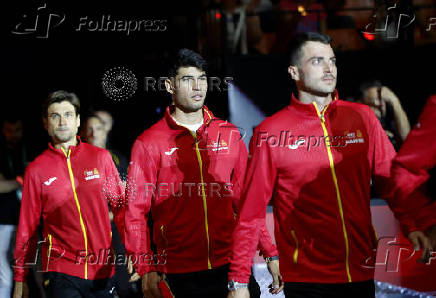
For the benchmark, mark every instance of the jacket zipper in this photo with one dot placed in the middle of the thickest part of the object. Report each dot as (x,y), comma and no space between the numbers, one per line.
(335,181)
(162,230)
(203,194)
(76,199)
(295,256)
(50,243)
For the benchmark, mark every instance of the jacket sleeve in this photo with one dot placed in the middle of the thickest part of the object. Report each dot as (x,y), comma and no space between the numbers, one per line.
(27,234)
(142,176)
(265,245)
(114,192)
(404,209)
(412,163)
(257,191)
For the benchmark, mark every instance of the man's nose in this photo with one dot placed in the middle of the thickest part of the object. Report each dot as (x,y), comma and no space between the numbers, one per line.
(327,67)
(195,84)
(62,121)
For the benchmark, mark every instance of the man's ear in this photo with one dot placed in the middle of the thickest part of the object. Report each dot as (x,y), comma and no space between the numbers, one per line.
(169,85)
(293,71)
(78,120)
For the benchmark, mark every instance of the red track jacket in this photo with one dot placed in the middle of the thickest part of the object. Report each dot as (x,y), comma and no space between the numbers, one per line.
(192,184)
(317,166)
(70,191)
(415,158)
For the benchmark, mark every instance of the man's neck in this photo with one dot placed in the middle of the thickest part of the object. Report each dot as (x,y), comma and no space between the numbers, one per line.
(66,145)
(188,118)
(321,100)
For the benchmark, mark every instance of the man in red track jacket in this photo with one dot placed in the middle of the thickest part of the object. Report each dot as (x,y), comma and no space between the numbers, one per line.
(188,170)
(413,169)
(316,158)
(68,186)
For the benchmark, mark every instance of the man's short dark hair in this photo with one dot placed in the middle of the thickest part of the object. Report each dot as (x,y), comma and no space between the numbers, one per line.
(60,96)
(187,58)
(299,41)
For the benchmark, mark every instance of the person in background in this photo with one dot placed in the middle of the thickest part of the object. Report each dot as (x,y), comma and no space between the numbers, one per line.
(13,160)
(414,167)
(387,107)
(94,132)
(108,123)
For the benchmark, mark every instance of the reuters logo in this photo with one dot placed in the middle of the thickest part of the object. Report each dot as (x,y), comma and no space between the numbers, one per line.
(119,83)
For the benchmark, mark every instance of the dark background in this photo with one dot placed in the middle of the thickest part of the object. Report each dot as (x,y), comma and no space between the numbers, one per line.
(76,61)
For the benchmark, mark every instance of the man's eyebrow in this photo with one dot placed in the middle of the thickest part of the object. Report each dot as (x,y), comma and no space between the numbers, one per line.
(187,76)
(315,57)
(320,57)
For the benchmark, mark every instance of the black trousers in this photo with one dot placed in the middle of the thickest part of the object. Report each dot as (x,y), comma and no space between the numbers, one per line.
(364,289)
(60,285)
(205,284)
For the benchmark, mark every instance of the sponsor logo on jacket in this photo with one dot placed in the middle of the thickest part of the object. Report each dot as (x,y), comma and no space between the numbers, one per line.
(91,174)
(354,137)
(217,146)
(50,181)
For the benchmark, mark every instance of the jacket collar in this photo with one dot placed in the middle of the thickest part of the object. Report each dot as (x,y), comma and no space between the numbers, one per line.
(207,117)
(73,149)
(309,107)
